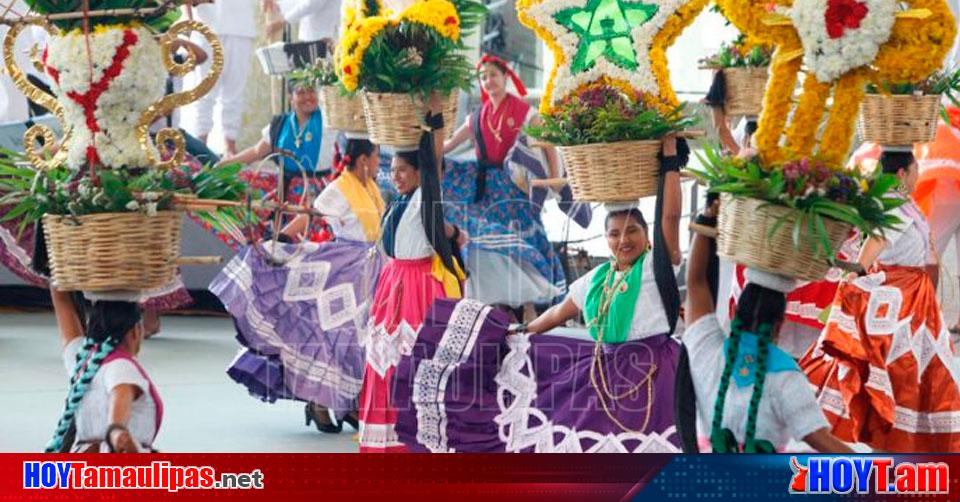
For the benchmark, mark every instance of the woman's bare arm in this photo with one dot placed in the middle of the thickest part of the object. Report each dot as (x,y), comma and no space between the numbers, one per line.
(67,318)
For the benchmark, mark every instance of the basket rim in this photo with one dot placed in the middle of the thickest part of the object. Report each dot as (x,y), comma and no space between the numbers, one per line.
(608,143)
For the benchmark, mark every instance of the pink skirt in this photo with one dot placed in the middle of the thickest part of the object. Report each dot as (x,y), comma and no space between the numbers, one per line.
(405,291)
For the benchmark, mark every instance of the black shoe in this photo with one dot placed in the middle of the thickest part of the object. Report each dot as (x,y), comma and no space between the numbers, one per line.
(351,419)
(322,426)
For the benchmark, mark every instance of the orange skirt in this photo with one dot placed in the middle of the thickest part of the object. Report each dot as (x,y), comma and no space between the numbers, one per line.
(884,367)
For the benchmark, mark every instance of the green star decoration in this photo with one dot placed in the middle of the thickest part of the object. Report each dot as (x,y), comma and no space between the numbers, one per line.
(605,29)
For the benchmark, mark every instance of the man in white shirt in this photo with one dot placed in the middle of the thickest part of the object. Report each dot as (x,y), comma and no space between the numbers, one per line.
(234,22)
(318,19)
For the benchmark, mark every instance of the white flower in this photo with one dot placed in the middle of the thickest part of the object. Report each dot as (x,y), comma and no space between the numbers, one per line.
(829,58)
(132,205)
(140,83)
(151,208)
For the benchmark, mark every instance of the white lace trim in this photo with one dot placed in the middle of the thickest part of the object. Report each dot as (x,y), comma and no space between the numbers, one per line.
(937,422)
(378,436)
(430,381)
(325,374)
(383,348)
(523,426)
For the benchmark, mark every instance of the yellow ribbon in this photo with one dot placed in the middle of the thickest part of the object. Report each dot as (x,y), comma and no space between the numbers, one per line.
(449,280)
(365,202)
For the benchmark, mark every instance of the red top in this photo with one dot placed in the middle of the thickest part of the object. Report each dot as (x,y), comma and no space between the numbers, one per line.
(500,126)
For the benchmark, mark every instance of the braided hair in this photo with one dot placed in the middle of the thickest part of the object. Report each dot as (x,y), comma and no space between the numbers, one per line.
(759,309)
(108,325)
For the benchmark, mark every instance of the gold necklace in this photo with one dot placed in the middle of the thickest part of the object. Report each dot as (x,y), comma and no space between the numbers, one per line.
(596,367)
(495,131)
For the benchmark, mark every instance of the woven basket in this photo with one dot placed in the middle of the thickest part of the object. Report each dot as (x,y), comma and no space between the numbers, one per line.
(899,120)
(611,172)
(113,251)
(743,238)
(745,88)
(395,119)
(343,113)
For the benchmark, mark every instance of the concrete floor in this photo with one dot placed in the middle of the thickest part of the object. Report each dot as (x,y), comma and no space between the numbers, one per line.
(204,411)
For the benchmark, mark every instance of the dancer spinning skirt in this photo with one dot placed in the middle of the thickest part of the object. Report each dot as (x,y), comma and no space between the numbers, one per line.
(750,394)
(298,321)
(884,367)
(472,387)
(516,264)
(423,267)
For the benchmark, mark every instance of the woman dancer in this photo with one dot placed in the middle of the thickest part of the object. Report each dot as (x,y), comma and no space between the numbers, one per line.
(469,387)
(757,399)
(112,405)
(884,366)
(311,351)
(516,265)
(424,265)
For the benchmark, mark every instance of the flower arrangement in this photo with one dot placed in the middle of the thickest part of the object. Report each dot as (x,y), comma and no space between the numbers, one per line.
(34,193)
(158,21)
(417,51)
(604,114)
(812,189)
(942,83)
(841,35)
(321,72)
(636,61)
(740,54)
(841,43)
(103,102)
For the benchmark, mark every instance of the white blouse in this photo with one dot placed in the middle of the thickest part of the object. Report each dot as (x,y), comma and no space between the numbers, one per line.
(338,214)
(93,413)
(908,243)
(788,407)
(649,318)
(411,240)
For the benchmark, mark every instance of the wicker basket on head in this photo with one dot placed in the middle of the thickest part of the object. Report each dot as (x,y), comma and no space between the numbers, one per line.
(745,88)
(340,112)
(395,119)
(113,251)
(611,172)
(899,120)
(744,226)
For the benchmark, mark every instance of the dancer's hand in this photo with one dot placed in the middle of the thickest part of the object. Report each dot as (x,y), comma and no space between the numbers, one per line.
(463,238)
(669,145)
(121,441)
(435,103)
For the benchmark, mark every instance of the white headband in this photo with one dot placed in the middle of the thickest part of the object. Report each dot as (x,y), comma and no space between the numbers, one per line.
(772,281)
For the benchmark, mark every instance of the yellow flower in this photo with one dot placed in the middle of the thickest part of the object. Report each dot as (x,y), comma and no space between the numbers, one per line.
(441,15)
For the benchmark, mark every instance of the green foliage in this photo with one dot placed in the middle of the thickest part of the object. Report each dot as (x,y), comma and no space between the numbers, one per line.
(413,59)
(472,14)
(810,189)
(739,55)
(158,23)
(944,83)
(31,193)
(605,115)
(321,73)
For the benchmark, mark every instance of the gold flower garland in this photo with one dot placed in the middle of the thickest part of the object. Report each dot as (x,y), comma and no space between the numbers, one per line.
(917,45)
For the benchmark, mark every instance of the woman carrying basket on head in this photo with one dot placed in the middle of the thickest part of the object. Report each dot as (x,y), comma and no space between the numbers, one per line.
(884,366)
(424,265)
(750,394)
(299,321)
(112,405)
(516,265)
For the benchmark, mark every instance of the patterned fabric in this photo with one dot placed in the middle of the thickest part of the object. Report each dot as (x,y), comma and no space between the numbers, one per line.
(885,368)
(300,321)
(264,187)
(504,222)
(469,387)
(405,291)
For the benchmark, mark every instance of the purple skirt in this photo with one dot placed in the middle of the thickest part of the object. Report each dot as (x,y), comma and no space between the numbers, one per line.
(299,321)
(468,387)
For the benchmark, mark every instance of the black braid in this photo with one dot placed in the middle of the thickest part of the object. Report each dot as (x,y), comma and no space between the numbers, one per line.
(763,350)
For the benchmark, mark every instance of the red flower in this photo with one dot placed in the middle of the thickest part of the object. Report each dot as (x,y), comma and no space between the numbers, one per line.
(843,14)
(348,70)
(450,20)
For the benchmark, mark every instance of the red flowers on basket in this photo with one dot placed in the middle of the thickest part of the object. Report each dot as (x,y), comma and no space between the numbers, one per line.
(842,15)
